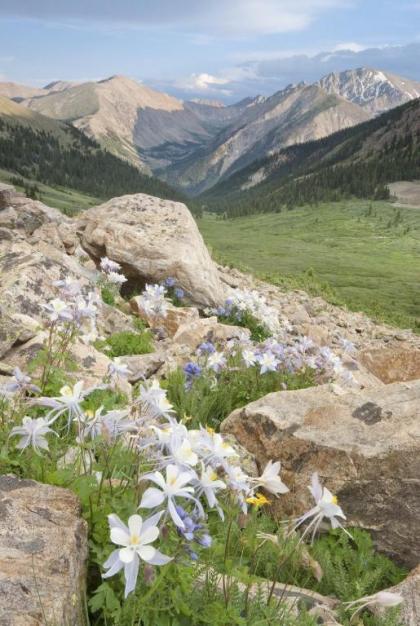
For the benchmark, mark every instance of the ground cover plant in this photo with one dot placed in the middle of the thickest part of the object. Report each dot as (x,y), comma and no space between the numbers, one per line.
(178,532)
(357,253)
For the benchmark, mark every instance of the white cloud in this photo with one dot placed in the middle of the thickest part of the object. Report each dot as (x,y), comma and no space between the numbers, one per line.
(222,17)
(205,83)
(352,46)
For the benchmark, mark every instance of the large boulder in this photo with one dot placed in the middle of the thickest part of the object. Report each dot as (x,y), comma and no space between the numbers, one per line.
(23,214)
(43,554)
(365,444)
(153,239)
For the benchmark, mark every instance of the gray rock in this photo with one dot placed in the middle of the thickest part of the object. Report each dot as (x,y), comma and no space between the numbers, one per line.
(152,239)
(365,444)
(43,553)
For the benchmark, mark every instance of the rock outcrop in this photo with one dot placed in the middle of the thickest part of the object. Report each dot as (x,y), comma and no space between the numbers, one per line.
(43,553)
(365,444)
(153,239)
(409,588)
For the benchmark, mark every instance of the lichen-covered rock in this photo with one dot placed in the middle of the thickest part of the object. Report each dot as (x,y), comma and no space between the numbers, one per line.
(392,365)
(21,213)
(43,553)
(365,444)
(208,329)
(153,239)
(174,318)
(142,366)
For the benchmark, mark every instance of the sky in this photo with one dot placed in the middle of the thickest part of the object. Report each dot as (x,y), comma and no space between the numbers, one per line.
(214,49)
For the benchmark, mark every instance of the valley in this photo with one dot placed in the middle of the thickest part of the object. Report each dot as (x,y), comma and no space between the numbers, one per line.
(368,252)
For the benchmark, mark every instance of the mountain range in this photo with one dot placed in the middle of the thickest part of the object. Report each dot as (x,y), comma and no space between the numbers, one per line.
(195,145)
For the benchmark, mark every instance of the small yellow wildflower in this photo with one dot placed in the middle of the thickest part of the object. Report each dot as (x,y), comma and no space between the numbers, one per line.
(258,500)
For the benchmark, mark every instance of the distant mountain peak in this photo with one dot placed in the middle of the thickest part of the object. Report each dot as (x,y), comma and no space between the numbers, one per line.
(372,89)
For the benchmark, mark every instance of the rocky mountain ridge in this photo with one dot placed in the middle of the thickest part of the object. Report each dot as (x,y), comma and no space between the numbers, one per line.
(195,144)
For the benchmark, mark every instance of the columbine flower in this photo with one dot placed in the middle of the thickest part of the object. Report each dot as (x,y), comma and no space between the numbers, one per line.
(249,357)
(258,500)
(216,361)
(107,265)
(182,452)
(271,480)
(208,484)
(169,282)
(68,287)
(206,348)
(20,382)
(215,449)
(174,486)
(58,310)
(32,433)
(326,507)
(347,346)
(116,279)
(136,540)
(385,599)
(155,398)
(179,293)
(192,370)
(68,402)
(268,362)
(152,300)
(118,368)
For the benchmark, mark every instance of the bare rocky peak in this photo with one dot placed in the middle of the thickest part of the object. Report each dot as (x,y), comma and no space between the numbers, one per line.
(374,90)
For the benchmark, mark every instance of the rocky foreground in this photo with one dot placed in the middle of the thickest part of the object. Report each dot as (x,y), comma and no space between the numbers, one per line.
(362,437)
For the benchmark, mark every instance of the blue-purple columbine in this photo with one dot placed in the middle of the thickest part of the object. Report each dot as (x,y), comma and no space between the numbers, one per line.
(206,348)
(169,282)
(192,370)
(179,293)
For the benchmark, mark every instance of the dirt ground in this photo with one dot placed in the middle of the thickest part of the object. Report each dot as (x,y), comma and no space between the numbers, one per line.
(406,193)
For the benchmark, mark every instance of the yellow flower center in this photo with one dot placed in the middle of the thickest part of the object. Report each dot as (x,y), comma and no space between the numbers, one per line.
(66,391)
(134,540)
(210,430)
(334,500)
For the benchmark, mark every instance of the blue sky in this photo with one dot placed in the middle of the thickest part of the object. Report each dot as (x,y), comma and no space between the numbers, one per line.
(222,49)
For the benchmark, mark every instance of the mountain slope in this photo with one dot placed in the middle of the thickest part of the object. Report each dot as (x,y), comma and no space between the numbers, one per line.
(356,161)
(374,90)
(42,149)
(107,111)
(296,114)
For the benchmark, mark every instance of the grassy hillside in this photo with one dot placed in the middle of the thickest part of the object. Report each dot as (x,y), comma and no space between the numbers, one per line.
(368,252)
(358,161)
(43,150)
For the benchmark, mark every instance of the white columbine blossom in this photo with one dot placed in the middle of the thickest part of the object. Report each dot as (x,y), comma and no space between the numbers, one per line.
(249,357)
(326,508)
(271,480)
(268,362)
(171,487)
(116,279)
(68,402)
(216,361)
(384,599)
(208,484)
(58,310)
(107,265)
(135,540)
(117,367)
(32,433)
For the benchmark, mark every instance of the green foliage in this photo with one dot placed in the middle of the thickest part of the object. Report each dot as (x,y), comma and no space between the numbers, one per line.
(67,157)
(259,332)
(126,343)
(340,166)
(208,403)
(347,257)
(108,296)
(353,569)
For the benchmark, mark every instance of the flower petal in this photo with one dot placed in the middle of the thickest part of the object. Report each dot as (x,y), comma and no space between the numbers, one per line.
(146,552)
(152,497)
(135,523)
(120,537)
(149,535)
(159,559)
(131,571)
(126,555)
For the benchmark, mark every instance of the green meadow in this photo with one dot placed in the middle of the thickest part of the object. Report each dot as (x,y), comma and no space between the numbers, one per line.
(365,255)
